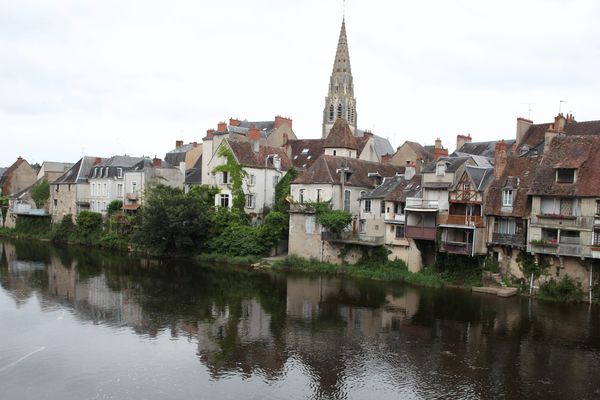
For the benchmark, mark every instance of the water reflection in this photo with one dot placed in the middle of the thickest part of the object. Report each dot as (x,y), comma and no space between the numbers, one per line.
(317,337)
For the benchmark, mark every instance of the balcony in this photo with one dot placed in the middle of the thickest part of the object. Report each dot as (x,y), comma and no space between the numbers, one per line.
(350,238)
(469,220)
(560,249)
(393,218)
(457,247)
(132,196)
(507,239)
(418,204)
(420,232)
(561,221)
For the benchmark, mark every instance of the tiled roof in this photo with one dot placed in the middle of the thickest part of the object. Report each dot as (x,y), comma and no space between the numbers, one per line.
(518,175)
(247,157)
(534,136)
(565,151)
(341,136)
(324,170)
(79,172)
(305,152)
(424,153)
(193,176)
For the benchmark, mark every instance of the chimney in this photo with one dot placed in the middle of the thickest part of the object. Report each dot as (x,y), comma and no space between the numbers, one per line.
(234,122)
(222,127)
(97,161)
(550,134)
(279,120)
(500,158)
(570,118)
(19,161)
(439,151)
(462,139)
(386,159)
(210,133)
(156,162)
(178,144)
(409,170)
(195,144)
(254,137)
(522,127)
(368,133)
(559,123)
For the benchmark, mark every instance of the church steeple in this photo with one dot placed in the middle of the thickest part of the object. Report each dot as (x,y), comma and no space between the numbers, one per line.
(340,101)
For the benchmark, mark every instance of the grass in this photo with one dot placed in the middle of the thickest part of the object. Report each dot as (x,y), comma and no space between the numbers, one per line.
(224,258)
(392,271)
(567,290)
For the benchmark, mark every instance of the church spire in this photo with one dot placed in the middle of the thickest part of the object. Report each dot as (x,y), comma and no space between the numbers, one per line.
(340,101)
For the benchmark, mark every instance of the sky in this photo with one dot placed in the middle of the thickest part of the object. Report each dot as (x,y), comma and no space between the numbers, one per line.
(131,77)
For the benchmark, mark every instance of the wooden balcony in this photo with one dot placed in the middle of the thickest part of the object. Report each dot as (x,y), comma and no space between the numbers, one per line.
(420,232)
(457,247)
(469,220)
(506,239)
(350,238)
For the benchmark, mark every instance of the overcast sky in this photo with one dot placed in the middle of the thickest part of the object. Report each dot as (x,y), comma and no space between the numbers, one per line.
(131,77)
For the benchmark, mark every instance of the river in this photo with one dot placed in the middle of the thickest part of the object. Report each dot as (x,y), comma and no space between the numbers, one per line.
(84,324)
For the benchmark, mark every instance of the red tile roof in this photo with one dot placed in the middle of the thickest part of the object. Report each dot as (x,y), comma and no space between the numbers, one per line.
(243,152)
(341,136)
(304,152)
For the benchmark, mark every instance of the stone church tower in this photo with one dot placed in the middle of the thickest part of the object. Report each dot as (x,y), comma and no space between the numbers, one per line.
(340,101)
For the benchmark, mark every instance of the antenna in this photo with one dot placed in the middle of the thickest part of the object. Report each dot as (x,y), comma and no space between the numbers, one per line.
(560,103)
(529,112)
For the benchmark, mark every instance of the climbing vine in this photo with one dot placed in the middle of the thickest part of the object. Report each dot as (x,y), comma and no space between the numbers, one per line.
(237,174)
(282,191)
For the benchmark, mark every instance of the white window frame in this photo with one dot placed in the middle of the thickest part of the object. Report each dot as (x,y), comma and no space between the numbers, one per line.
(347,199)
(224,198)
(119,189)
(507,197)
(119,172)
(367,207)
(275,180)
(251,180)
(250,200)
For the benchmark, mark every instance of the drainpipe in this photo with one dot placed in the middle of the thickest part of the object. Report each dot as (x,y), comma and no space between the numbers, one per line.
(591,277)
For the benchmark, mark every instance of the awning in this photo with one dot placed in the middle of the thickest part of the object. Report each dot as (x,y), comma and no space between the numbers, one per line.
(131,206)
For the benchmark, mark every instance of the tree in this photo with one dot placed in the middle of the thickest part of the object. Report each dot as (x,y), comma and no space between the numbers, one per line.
(40,193)
(532,266)
(3,208)
(282,191)
(172,221)
(114,206)
(89,224)
(334,220)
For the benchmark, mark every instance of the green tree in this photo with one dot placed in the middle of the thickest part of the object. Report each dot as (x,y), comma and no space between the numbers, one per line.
(40,193)
(334,220)
(532,266)
(3,207)
(89,224)
(282,191)
(114,206)
(172,221)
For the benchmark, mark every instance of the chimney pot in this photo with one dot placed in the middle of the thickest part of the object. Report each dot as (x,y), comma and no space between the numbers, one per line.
(254,134)
(234,122)
(156,162)
(279,120)
(178,144)
(210,133)
(222,127)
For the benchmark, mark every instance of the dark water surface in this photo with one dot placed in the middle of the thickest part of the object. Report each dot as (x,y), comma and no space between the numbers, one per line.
(82,324)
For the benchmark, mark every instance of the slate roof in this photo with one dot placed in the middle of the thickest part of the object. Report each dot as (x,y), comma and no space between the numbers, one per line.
(175,156)
(396,188)
(55,166)
(382,145)
(480,176)
(115,162)
(243,152)
(305,152)
(580,152)
(324,171)
(452,164)
(193,176)
(2,170)
(341,136)
(484,149)
(79,172)
(518,175)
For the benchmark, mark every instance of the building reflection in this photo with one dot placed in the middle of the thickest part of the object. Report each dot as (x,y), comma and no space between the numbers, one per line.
(257,324)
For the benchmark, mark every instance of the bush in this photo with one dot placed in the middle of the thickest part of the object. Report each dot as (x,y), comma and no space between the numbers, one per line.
(334,220)
(40,193)
(114,241)
(65,229)
(89,223)
(566,290)
(114,206)
(32,225)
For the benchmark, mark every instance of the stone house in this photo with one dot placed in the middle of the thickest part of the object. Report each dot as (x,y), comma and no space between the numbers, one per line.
(52,170)
(19,176)
(263,165)
(70,192)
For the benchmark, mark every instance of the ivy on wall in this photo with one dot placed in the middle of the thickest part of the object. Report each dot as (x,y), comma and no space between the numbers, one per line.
(237,174)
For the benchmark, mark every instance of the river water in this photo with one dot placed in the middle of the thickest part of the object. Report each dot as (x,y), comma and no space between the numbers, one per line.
(84,324)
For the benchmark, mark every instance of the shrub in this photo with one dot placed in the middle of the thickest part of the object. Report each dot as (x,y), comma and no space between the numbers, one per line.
(65,229)
(89,223)
(40,193)
(334,220)
(566,290)
(114,206)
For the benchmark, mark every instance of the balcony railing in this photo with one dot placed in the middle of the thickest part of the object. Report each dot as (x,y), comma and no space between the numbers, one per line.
(394,218)
(457,247)
(561,249)
(418,203)
(470,220)
(561,221)
(350,238)
(508,239)
(419,232)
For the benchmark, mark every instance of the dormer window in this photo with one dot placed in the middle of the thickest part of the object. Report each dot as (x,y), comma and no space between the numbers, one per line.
(119,172)
(507,197)
(566,175)
(440,169)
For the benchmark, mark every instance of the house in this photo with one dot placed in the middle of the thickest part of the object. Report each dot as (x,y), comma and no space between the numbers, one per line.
(19,176)
(414,153)
(263,167)
(382,214)
(565,206)
(507,210)
(70,192)
(125,178)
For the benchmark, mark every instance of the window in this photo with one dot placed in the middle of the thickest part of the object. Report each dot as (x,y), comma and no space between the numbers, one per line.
(334,152)
(506,226)
(440,169)
(104,190)
(225,177)
(347,200)
(318,195)
(133,187)
(55,202)
(339,111)
(95,172)
(275,180)
(399,231)
(596,237)
(331,112)
(249,201)
(597,207)
(119,189)
(103,206)
(362,225)
(119,172)
(507,197)
(301,196)
(382,207)
(565,175)
(368,205)
(309,224)
(251,180)
(566,207)
(569,237)
(550,235)
(224,200)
